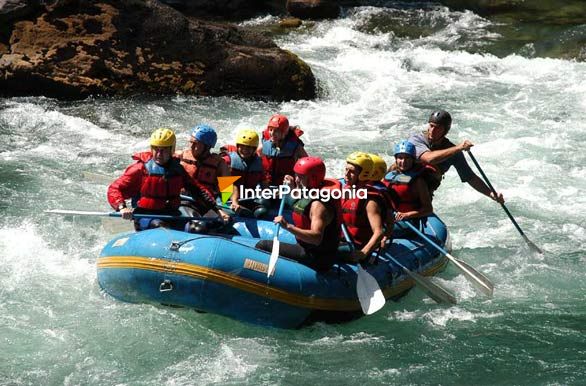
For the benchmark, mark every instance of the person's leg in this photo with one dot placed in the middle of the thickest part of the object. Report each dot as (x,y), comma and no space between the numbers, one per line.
(291,251)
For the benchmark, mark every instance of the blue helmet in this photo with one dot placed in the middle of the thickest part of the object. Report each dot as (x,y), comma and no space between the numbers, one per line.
(205,134)
(405,147)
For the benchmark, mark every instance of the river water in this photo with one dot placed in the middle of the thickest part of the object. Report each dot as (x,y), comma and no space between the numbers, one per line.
(526,116)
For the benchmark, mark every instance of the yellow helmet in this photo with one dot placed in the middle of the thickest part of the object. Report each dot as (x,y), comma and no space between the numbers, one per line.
(379,169)
(247,137)
(364,162)
(163,138)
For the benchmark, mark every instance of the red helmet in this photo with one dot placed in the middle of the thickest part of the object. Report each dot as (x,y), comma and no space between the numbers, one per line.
(312,167)
(279,122)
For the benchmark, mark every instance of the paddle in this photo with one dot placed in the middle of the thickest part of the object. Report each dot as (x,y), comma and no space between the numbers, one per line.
(480,282)
(529,242)
(370,295)
(276,243)
(434,291)
(118,214)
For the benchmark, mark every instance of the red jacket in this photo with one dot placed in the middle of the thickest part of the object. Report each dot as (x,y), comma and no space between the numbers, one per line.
(155,187)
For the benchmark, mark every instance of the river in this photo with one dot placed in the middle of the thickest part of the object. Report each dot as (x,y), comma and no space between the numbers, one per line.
(525,115)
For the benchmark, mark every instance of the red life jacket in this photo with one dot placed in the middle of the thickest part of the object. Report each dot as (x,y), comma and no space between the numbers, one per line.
(161,185)
(382,196)
(204,171)
(355,217)
(278,162)
(331,237)
(402,188)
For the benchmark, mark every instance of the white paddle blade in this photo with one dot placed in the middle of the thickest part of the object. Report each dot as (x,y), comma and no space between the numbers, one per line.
(274,256)
(478,280)
(369,293)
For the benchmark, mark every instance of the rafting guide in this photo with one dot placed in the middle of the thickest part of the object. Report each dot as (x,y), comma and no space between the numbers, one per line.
(303,193)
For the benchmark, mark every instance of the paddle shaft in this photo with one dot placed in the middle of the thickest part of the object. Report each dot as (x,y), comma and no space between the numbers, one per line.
(280,213)
(485,178)
(435,291)
(370,295)
(118,214)
(276,244)
(480,281)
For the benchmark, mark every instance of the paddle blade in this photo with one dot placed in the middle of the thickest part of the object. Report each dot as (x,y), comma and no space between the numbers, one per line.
(434,291)
(532,245)
(369,293)
(478,280)
(274,256)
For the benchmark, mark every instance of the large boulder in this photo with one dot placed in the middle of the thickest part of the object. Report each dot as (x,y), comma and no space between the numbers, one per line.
(313,9)
(226,9)
(76,48)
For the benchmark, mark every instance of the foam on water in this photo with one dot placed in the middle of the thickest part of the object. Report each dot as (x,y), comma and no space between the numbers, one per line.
(524,115)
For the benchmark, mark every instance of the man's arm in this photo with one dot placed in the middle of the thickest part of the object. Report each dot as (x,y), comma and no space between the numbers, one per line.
(374,214)
(479,185)
(435,157)
(320,218)
(126,186)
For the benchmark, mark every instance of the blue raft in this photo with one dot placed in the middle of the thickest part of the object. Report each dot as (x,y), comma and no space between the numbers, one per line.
(225,274)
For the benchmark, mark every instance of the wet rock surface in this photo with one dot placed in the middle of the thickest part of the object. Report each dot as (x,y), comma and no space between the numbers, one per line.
(72,49)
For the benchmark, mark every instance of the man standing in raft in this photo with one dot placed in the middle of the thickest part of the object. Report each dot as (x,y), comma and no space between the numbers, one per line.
(316,223)
(432,147)
(154,183)
(281,148)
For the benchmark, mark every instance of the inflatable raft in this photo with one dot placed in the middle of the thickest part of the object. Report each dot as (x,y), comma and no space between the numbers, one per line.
(224,274)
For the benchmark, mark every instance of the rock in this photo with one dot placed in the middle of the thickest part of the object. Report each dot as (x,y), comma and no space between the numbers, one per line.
(226,9)
(313,9)
(290,22)
(78,48)
(17,9)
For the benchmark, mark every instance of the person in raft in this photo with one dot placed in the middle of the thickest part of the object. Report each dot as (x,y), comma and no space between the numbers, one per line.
(379,171)
(203,166)
(363,217)
(244,162)
(432,147)
(199,162)
(316,223)
(154,183)
(280,149)
(405,181)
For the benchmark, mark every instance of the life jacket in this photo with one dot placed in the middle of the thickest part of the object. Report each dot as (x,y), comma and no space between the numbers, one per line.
(161,186)
(401,187)
(432,177)
(204,171)
(382,195)
(278,162)
(331,237)
(251,170)
(355,218)
(225,151)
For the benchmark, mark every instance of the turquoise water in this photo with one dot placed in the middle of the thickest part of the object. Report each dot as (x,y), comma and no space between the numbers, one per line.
(526,117)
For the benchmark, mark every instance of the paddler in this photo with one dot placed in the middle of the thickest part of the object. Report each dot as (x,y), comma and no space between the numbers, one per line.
(280,149)
(432,147)
(154,183)
(316,221)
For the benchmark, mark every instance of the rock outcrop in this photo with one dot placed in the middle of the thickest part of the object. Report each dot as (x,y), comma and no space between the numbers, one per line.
(313,9)
(76,48)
